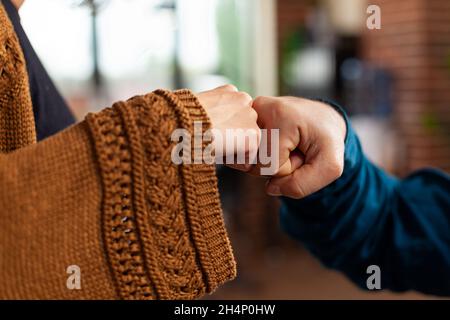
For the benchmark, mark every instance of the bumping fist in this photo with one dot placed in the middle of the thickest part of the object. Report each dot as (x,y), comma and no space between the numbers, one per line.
(311,144)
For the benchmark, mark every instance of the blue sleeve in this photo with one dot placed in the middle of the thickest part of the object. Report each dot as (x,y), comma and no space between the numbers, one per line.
(367,217)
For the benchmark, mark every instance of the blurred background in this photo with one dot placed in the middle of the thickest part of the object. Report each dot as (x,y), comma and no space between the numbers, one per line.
(394,83)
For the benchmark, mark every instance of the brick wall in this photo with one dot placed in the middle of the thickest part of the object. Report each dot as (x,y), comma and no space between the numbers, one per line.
(414,44)
(290,16)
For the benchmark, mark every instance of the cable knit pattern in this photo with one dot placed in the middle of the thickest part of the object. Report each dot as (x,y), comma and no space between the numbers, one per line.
(200,190)
(105,196)
(172,248)
(162,222)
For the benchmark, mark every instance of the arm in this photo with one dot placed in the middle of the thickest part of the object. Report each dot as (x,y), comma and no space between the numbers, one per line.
(104,195)
(367,217)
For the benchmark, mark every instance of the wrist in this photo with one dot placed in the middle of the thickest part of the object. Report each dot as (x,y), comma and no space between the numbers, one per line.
(343,120)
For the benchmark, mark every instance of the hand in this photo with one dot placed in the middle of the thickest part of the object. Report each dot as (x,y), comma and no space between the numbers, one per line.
(228,110)
(17,3)
(311,144)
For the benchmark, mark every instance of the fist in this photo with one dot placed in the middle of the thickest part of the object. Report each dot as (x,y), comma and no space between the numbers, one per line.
(235,131)
(310,147)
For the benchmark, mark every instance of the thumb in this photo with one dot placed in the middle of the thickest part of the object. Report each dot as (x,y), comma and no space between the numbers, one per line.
(309,177)
(295,160)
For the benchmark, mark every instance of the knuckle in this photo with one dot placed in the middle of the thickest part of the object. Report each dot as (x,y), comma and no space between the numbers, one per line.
(245,97)
(229,87)
(262,100)
(259,103)
(259,100)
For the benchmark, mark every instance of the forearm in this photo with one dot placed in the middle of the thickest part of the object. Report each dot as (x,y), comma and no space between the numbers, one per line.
(368,217)
(104,195)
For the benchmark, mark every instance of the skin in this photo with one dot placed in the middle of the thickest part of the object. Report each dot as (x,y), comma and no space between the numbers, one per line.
(311,148)
(18,3)
(228,108)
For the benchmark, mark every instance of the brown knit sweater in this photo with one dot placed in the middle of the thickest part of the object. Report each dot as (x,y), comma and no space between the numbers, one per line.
(104,195)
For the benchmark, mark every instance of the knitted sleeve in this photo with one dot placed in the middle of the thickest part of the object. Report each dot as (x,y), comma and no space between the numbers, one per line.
(100,211)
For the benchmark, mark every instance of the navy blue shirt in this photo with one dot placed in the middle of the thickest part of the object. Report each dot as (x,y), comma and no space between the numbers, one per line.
(51,113)
(368,217)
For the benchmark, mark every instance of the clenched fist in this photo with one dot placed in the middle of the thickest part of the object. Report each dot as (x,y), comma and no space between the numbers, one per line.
(311,144)
(234,124)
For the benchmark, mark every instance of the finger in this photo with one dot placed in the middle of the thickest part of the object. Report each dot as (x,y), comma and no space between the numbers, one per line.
(278,139)
(245,156)
(288,186)
(309,177)
(262,105)
(296,159)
